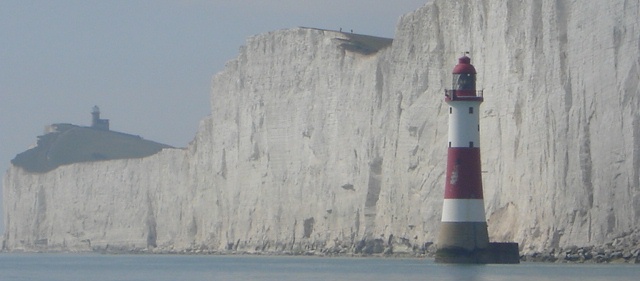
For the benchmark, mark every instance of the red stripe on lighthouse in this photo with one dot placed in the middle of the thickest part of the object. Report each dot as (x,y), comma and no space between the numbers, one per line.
(464,178)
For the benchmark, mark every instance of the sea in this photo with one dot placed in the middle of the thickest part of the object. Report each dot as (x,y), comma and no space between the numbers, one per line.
(102,267)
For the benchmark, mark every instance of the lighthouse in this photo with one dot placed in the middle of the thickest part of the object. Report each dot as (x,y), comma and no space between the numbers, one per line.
(463,235)
(96,122)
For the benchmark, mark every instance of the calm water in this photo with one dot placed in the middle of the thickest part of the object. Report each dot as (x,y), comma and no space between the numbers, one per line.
(72,267)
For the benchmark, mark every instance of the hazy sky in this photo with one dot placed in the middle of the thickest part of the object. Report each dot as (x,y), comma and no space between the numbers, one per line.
(147,64)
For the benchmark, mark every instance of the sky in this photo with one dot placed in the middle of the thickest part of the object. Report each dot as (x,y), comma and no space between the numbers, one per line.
(147,64)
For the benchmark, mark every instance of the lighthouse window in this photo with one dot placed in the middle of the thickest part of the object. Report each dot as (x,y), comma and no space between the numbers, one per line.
(450,110)
(449,144)
(470,110)
(470,144)
(464,81)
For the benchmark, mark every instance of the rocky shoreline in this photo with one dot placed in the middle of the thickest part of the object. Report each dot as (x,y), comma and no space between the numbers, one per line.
(623,249)
(574,255)
(592,254)
(585,255)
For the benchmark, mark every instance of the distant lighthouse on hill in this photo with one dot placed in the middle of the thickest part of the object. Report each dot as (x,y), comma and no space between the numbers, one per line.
(463,236)
(96,122)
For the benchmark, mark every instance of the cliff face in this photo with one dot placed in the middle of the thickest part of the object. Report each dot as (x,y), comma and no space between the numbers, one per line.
(319,139)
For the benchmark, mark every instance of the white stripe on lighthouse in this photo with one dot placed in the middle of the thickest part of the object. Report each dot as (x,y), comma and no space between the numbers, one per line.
(463,210)
(463,126)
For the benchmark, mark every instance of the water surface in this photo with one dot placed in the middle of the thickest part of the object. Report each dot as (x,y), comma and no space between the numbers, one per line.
(76,267)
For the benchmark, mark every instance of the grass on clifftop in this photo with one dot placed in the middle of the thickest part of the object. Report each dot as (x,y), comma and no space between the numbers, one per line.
(73,144)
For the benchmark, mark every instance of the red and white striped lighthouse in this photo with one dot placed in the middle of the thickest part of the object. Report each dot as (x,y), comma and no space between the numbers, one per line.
(463,236)
(464,227)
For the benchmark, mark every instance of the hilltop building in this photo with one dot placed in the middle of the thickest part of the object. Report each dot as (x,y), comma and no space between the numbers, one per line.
(65,143)
(96,122)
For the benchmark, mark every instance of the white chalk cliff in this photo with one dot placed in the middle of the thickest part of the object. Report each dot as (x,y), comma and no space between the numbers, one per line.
(312,144)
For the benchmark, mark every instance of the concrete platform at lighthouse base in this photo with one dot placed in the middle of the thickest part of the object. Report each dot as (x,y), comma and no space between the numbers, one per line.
(496,253)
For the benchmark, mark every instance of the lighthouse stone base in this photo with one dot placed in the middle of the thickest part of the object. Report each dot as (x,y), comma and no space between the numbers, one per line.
(495,253)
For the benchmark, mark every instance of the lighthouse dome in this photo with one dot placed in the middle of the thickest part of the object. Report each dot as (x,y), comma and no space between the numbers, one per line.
(464,66)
